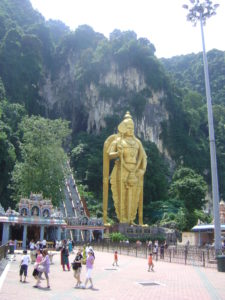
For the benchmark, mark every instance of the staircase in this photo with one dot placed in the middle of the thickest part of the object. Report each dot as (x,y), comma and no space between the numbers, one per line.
(73,206)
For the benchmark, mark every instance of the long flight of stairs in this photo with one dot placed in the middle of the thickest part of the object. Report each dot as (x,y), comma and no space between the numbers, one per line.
(72,206)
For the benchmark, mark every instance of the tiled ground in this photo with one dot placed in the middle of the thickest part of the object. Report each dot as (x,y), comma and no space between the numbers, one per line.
(169,281)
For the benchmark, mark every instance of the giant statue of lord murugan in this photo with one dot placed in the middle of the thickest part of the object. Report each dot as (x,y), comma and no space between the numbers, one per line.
(127,175)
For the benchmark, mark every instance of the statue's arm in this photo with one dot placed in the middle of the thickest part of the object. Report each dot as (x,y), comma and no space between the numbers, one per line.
(113,151)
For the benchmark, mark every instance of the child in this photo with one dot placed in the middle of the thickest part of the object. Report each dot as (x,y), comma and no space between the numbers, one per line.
(24,265)
(115,258)
(150,263)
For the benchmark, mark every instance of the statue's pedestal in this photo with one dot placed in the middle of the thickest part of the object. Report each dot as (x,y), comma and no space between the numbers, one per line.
(132,231)
(146,232)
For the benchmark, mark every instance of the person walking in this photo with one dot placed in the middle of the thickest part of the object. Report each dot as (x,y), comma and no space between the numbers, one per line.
(115,262)
(65,257)
(77,267)
(37,262)
(43,267)
(70,246)
(150,263)
(24,265)
(89,268)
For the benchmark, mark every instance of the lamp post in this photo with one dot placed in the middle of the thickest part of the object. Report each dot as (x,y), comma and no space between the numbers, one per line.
(201,11)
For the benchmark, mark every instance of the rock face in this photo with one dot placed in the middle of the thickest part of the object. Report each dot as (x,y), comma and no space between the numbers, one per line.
(63,98)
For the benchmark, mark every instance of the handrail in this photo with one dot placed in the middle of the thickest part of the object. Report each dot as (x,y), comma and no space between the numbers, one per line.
(3,251)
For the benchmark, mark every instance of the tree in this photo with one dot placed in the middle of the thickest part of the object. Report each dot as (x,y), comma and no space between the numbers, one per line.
(43,158)
(10,115)
(189,189)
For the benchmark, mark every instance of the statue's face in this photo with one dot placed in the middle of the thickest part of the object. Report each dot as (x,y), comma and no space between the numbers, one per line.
(130,128)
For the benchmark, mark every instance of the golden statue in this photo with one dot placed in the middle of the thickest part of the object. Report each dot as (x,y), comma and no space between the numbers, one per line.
(127,174)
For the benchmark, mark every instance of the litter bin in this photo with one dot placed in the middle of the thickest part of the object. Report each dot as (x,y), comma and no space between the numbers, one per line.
(221,263)
(11,249)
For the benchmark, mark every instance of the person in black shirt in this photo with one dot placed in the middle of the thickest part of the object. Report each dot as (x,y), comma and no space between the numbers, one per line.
(77,266)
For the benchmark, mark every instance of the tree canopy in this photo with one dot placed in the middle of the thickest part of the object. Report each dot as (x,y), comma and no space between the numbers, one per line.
(41,168)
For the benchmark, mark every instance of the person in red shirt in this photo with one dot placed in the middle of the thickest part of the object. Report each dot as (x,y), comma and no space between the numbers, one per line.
(115,262)
(150,263)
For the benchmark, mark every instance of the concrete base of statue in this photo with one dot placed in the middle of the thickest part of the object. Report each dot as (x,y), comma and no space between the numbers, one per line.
(145,232)
(132,231)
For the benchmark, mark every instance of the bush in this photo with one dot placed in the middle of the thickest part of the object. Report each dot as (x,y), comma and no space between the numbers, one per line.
(117,237)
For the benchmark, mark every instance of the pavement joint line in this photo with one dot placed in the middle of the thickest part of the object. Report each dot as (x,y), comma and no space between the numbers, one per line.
(4,274)
(209,287)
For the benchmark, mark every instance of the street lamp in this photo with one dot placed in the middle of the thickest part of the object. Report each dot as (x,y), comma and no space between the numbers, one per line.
(200,11)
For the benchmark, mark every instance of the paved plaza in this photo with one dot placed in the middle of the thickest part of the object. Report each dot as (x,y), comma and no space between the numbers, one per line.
(128,281)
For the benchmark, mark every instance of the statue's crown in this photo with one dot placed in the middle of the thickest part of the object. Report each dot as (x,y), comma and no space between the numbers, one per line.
(127,116)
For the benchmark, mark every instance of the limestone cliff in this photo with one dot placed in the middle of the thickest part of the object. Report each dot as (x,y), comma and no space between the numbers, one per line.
(62,97)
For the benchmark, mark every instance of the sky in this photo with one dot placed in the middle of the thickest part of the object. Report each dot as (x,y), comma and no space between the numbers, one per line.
(162,22)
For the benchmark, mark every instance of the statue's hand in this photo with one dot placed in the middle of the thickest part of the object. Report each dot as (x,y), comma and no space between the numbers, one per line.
(140,172)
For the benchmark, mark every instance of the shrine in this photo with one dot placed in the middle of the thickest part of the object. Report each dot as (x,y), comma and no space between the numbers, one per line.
(36,219)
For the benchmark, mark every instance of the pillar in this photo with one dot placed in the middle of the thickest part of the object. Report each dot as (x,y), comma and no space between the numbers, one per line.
(5,234)
(90,235)
(199,238)
(102,233)
(65,234)
(78,235)
(59,231)
(42,231)
(24,245)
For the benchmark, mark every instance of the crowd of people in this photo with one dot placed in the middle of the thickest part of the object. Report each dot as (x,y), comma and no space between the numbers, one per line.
(83,256)
(42,262)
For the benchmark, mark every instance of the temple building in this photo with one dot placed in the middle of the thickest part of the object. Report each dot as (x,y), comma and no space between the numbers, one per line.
(36,219)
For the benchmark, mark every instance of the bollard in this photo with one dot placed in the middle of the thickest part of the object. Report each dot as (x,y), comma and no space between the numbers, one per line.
(203,258)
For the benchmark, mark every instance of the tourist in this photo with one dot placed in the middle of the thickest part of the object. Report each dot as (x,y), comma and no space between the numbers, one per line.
(11,247)
(24,265)
(162,247)
(77,267)
(39,256)
(15,245)
(70,246)
(60,245)
(37,262)
(57,245)
(89,268)
(92,251)
(32,245)
(65,257)
(44,244)
(150,245)
(43,267)
(115,262)
(150,263)
(155,249)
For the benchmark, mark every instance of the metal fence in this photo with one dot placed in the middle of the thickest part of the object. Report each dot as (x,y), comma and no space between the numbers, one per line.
(3,251)
(201,257)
